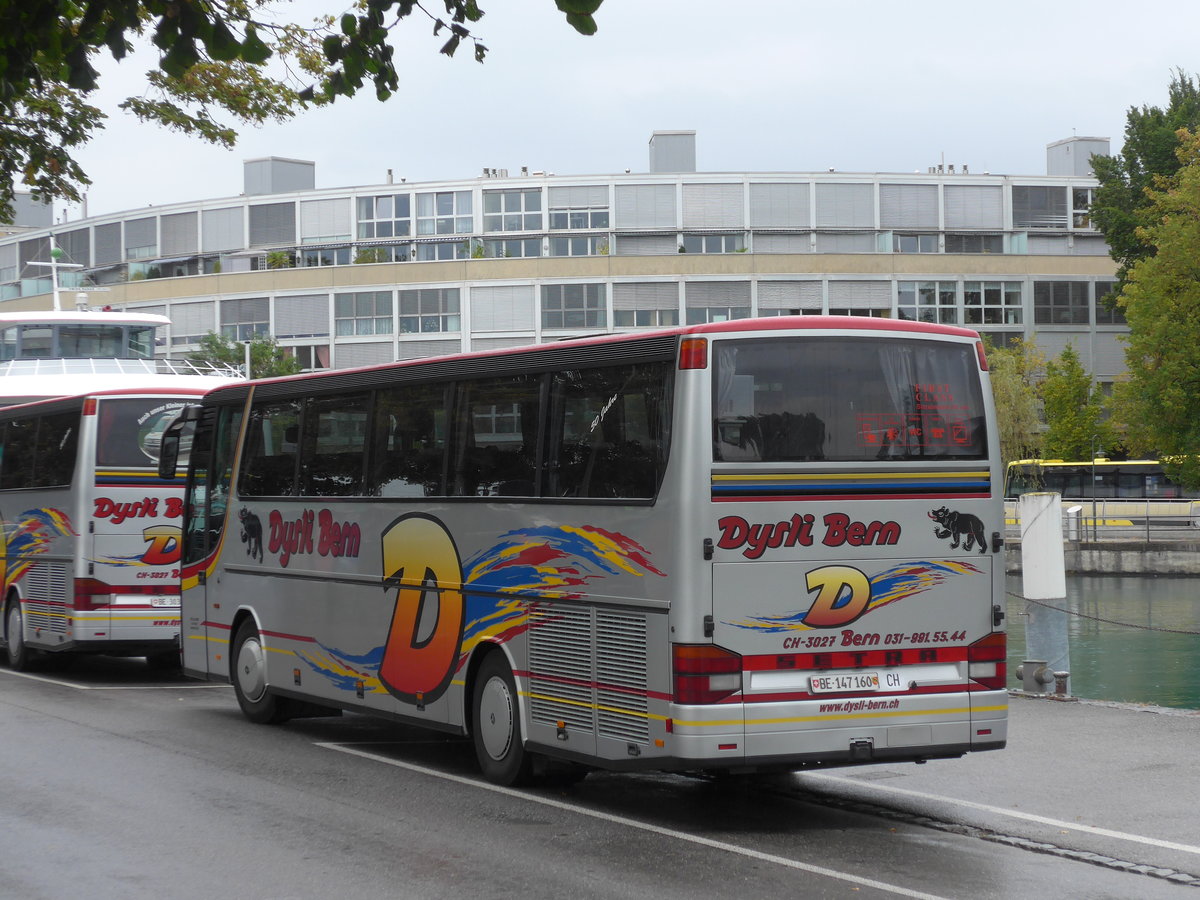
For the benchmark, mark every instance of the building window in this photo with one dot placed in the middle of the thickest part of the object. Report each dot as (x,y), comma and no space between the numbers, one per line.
(311,257)
(992,302)
(914,243)
(573,306)
(579,245)
(645,318)
(383,253)
(699,315)
(369,312)
(974,243)
(1060,303)
(512,249)
(429,310)
(242,320)
(578,217)
(1039,207)
(443,250)
(927,301)
(384,216)
(865,313)
(714,243)
(1107,313)
(312,359)
(513,210)
(446,212)
(1081,206)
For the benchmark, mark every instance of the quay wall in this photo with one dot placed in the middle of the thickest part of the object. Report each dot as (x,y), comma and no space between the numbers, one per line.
(1115,557)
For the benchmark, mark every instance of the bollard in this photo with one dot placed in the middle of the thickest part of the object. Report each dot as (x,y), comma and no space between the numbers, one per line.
(1034,676)
(1062,681)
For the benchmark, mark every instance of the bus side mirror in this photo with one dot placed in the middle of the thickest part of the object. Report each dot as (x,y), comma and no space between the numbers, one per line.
(168,450)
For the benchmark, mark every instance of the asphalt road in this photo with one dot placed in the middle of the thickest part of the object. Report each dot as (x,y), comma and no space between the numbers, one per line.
(118,783)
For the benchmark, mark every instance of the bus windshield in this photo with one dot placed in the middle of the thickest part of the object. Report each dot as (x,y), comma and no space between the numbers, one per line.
(844,399)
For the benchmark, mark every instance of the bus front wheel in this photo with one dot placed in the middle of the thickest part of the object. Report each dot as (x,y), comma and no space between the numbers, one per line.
(250,678)
(496,724)
(19,655)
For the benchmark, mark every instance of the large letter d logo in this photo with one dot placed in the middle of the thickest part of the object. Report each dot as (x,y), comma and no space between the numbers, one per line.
(421,561)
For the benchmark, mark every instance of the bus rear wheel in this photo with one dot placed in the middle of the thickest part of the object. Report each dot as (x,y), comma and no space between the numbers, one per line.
(249,677)
(496,724)
(20,657)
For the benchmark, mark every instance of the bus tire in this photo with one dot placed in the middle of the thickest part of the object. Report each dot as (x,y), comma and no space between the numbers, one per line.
(496,724)
(249,677)
(20,656)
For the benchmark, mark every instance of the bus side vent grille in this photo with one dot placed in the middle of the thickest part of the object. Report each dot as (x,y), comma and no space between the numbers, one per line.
(560,671)
(45,591)
(623,676)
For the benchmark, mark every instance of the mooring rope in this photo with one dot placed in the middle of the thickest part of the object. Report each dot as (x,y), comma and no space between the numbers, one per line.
(1083,615)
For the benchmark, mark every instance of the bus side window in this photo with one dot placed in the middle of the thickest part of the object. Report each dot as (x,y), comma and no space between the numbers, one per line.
(408,443)
(607,433)
(333,450)
(269,469)
(20,436)
(494,446)
(57,440)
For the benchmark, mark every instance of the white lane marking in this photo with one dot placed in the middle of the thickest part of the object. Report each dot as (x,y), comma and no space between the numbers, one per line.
(634,823)
(1011,813)
(111,687)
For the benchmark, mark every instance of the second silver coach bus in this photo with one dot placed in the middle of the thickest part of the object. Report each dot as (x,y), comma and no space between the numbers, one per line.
(763,544)
(91,535)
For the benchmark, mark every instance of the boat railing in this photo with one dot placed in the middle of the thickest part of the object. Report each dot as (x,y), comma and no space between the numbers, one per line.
(108,366)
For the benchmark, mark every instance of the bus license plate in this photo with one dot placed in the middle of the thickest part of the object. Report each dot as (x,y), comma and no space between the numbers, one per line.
(164,601)
(854,681)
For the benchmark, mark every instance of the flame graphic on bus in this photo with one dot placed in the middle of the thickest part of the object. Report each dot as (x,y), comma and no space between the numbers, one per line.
(549,563)
(32,534)
(889,586)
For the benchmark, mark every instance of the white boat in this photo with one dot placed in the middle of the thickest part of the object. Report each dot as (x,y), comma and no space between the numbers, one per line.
(61,353)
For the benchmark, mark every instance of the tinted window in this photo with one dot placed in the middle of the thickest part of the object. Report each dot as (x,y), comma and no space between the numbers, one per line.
(846,400)
(272,441)
(494,448)
(608,431)
(129,432)
(333,453)
(409,443)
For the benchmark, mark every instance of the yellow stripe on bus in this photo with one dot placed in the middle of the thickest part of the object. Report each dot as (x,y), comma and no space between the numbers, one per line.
(596,706)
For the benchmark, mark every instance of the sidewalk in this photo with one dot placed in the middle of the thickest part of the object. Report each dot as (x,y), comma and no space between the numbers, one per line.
(1116,780)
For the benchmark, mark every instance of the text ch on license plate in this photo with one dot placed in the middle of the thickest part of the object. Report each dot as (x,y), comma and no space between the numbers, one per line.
(853,681)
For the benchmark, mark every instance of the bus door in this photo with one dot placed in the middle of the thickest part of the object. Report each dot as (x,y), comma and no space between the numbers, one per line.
(205,527)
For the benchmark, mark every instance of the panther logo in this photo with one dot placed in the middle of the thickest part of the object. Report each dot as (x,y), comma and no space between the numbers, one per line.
(251,533)
(955,525)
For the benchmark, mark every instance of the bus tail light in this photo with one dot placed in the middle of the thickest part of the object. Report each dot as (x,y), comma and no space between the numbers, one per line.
(704,673)
(986,661)
(983,366)
(92,594)
(693,353)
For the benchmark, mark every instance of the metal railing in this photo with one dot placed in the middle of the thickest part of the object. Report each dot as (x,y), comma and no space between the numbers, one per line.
(1142,521)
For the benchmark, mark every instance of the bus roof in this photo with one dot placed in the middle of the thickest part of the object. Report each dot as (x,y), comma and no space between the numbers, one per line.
(48,403)
(666,339)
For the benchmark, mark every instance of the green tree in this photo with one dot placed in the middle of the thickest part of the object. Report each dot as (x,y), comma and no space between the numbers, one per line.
(1073,408)
(1015,371)
(1149,151)
(267,358)
(1159,404)
(221,63)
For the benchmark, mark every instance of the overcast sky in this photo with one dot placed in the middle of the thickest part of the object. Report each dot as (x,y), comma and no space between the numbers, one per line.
(773,85)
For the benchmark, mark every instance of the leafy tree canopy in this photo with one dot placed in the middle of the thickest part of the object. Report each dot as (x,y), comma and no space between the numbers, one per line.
(221,63)
(1159,404)
(1149,151)
(1015,371)
(1073,410)
(267,358)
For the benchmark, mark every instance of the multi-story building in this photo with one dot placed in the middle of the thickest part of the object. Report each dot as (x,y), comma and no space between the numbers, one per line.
(363,275)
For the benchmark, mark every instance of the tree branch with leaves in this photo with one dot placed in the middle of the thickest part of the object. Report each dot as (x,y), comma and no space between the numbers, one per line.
(221,64)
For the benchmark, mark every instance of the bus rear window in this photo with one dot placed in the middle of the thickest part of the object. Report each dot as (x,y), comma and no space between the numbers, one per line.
(846,400)
(129,432)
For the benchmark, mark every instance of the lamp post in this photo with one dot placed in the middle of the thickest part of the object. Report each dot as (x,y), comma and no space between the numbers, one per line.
(1095,522)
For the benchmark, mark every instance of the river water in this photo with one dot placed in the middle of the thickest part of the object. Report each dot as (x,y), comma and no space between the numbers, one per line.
(1132,639)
